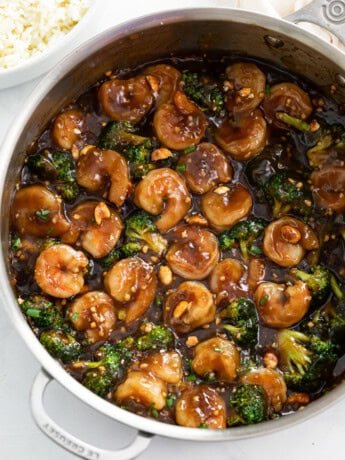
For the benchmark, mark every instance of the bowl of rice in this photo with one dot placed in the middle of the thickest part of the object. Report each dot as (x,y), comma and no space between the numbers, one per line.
(36,34)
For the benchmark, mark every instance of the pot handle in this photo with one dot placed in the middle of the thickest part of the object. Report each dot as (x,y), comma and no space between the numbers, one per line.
(70,442)
(329,14)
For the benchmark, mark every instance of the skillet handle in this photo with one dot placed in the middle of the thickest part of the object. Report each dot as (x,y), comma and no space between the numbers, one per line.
(329,14)
(70,442)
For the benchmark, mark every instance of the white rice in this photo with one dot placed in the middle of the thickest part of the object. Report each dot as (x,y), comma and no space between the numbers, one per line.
(28,27)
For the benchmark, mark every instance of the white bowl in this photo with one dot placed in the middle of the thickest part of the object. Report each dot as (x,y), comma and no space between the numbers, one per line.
(42,62)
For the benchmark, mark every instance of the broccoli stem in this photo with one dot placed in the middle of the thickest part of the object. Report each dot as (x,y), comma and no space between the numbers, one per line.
(321,145)
(293,121)
(336,288)
(278,208)
(244,249)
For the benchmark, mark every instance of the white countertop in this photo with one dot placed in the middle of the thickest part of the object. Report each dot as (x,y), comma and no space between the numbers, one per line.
(319,438)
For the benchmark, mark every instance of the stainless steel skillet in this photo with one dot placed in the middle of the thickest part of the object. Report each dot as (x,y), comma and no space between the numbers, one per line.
(125,46)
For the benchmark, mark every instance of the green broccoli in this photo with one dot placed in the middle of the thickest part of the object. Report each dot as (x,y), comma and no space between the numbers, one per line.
(98,382)
(110,259)
(112,359)
(159,337)
(316,154)
(243,234)
(329,145)
(141,229)
(286,194)
(306,360)
(327,322)
(207,95)
(336,288)
(126,250)
(243,322)
(40,310)
(58,166)
(138,156)
(318,281)
(248,405)
(61,345)
(297,123)
(120,134)
(130,249)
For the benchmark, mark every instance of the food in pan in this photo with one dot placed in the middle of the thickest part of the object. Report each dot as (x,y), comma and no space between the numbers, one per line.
(177,241)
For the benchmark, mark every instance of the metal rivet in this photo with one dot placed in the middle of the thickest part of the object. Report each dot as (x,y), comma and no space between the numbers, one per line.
(274,42)
(340,79)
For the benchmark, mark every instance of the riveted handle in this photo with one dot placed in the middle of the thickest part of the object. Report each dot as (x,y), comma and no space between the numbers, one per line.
(329,14)
(70,442)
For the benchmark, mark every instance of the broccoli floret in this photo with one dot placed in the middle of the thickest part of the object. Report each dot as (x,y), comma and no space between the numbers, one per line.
(98,382)
(249,404)
(117,134)
(328,323)
(318,282)
(43,313)
(113,256)
(243,322)
(329,146)
(138,156)
(121,135)
(141,229)
(306,360)
(61,345)
(286,194)
(207,95)
(130,249)
(40,310)
(69,191)
(127,250)
(249,361)
(243,234)
(58,166)
(159,337)
(112,359)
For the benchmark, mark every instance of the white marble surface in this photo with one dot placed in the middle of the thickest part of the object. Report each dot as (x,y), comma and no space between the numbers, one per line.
(318,438)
